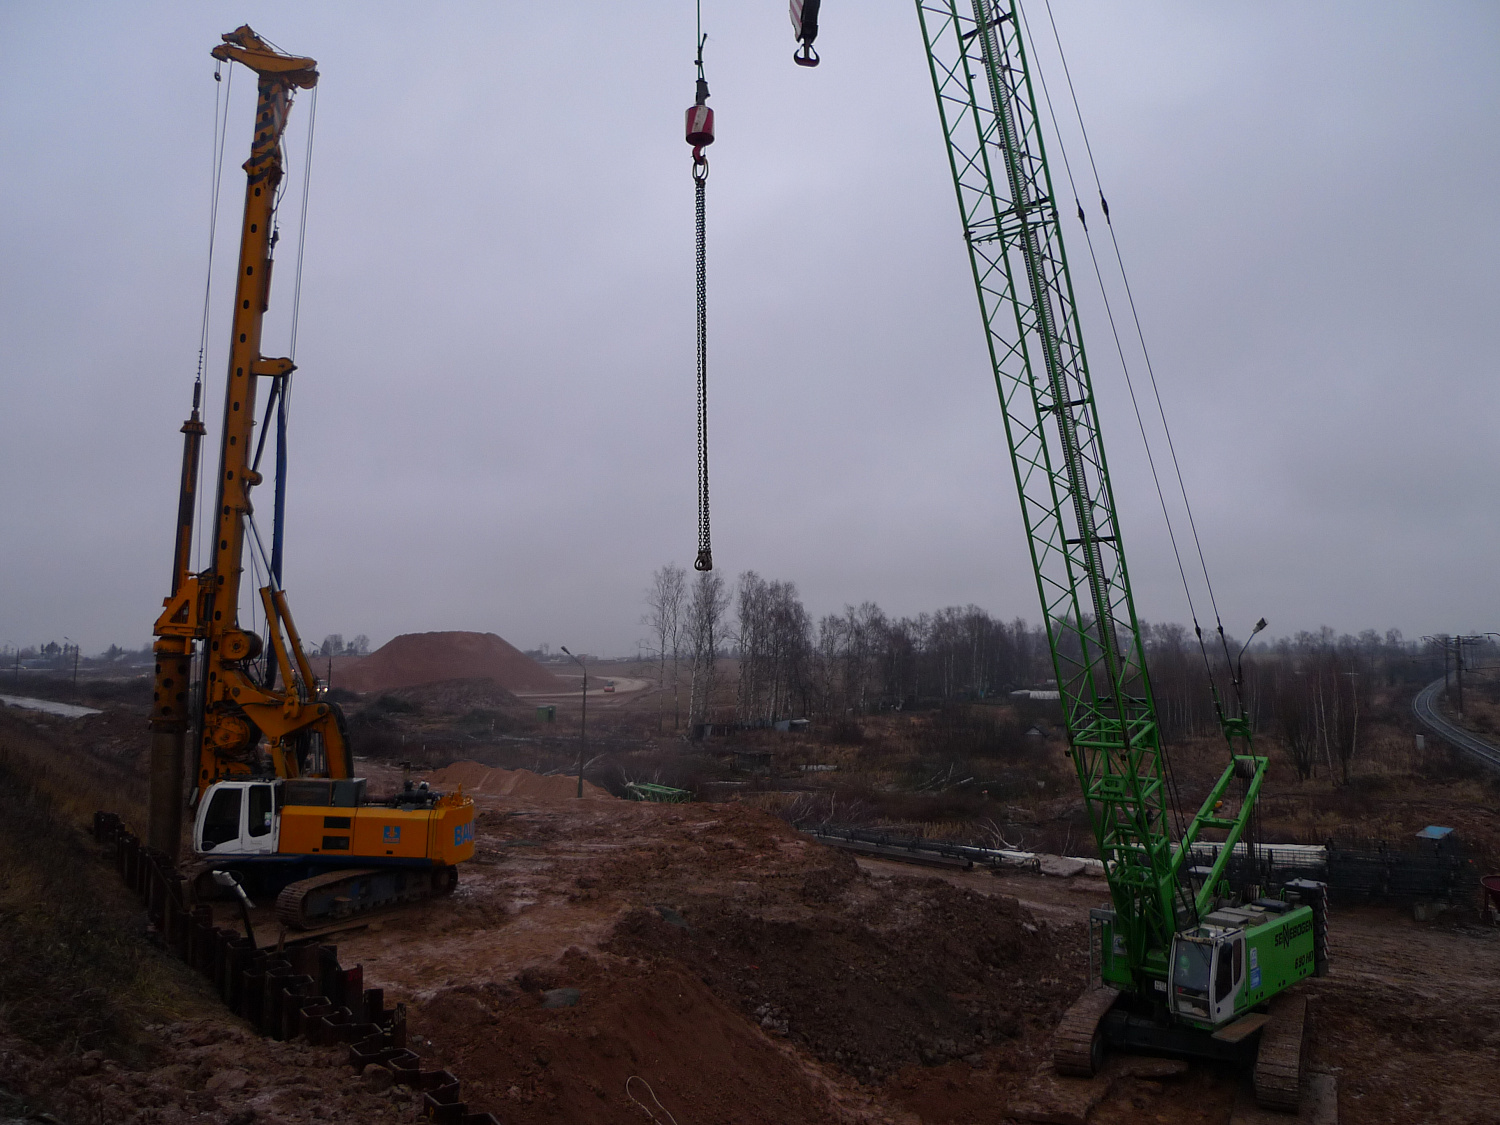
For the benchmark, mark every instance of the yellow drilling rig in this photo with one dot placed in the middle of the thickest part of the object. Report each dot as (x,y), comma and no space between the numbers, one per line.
(276,802)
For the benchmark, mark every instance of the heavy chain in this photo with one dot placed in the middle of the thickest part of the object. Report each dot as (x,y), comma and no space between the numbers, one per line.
(705,560)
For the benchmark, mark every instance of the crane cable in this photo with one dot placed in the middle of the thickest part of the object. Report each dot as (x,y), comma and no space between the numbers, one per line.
(700,134)
(216,179)
(1155,390)
(1174,792)
(279,398)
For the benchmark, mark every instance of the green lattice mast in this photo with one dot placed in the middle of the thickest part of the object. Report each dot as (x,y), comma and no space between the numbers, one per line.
(1010,222)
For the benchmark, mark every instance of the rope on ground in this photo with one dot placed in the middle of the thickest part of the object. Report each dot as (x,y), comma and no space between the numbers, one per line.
(644,1107)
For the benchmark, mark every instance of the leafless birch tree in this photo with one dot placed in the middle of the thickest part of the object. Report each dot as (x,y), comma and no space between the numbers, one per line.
(665,616)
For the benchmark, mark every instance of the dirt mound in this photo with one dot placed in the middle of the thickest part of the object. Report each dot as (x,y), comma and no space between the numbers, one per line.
(462,695)
(424,658)
(476,777)
(922,974)
(534,1063)
(207,1069)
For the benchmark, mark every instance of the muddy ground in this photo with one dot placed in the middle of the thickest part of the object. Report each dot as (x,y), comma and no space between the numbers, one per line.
(738,970)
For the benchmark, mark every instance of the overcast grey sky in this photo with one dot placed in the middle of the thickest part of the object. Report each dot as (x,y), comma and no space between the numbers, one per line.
(493,416)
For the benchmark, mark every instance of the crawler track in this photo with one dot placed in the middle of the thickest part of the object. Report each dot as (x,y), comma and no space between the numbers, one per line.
(1077,1047)
(1278,1066)
(343,894)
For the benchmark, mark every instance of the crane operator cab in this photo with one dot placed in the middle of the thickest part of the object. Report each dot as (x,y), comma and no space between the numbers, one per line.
(237,818)
(277,833)
(1206,975)
(1238,958)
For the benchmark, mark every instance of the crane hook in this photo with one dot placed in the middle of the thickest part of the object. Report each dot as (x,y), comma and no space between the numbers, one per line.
(805,25)
(700,119)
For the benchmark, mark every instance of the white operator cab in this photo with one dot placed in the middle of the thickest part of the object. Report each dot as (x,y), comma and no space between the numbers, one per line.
(1207,970)
(236,818)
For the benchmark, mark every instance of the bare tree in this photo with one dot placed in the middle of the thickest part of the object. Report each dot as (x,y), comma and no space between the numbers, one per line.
(664,601)
(1296,721)
(705,629)
(774,647)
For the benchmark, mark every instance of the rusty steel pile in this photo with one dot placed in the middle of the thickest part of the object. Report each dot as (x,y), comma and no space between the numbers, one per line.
(298,992)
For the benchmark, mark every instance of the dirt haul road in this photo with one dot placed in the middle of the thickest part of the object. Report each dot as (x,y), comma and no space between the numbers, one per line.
(751,975)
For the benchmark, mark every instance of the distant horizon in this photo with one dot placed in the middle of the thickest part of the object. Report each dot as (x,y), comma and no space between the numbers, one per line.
(546,648)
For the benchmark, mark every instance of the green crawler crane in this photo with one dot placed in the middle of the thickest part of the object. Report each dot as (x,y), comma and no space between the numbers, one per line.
(1184,966)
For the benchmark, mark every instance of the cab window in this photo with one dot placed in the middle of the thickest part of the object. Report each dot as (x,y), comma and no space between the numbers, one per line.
(1224,974)
(1192,967)
(260,810)
(1239,960)
(222,821)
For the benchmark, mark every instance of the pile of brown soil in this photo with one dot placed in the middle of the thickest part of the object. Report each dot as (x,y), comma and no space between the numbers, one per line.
(922,973)
(463,695)
(658,1029)
(206,1069)
(476,777)
(424,658)
(749,974)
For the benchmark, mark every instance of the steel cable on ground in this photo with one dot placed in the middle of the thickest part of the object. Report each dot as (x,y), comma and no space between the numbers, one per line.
(644,1107)
(1145,352)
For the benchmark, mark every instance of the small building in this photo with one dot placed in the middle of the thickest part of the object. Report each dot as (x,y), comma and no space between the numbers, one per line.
(752,761)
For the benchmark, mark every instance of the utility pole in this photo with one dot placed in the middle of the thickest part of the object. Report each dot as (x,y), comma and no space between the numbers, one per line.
(1458,661)
(1354,722)
(1445,642)
(1458,671)
(583,729)
(1456,644)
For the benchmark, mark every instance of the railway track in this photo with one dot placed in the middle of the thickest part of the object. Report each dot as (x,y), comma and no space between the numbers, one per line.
(1424,707)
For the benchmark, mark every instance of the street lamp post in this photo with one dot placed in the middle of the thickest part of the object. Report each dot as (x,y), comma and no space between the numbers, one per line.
(583,728)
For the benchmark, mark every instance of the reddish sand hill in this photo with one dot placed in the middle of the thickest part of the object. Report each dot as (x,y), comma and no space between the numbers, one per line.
(425,658)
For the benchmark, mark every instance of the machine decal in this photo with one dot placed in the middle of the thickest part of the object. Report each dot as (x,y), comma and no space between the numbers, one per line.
(1254,967)
(1290,932)
(463,834)
(392,833)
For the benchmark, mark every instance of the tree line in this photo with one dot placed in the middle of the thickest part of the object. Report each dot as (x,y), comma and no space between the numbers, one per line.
(1315,692)
(857,661)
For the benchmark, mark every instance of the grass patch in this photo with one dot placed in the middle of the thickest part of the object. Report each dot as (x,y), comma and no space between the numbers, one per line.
(77,973)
